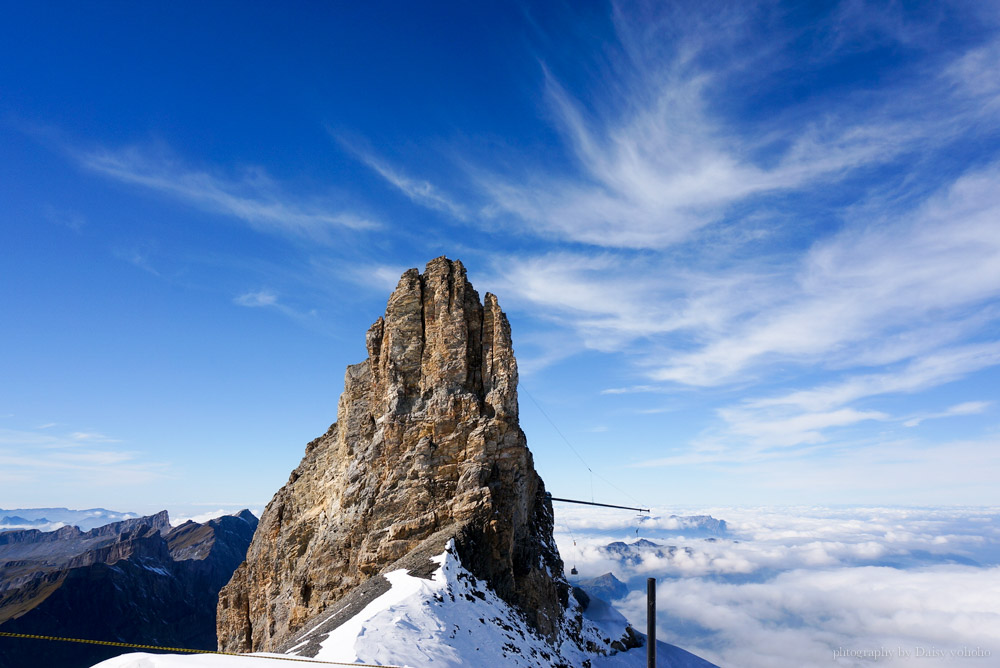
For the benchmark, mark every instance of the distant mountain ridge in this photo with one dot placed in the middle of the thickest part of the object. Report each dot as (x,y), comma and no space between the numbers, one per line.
(55,549)
(701,524)
(632,553)
(137,580)
(50,519)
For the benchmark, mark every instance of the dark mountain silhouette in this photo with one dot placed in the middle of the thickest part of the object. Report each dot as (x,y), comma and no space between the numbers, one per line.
(136,581)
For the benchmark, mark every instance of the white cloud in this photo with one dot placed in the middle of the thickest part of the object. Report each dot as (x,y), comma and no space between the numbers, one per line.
(71,460)
(967,408)
(928,371)
(92,437)
(899,280)
(801,618)
(200,518)
(418,190)
(255,198)
(384,277)
(908,282)
(70,219)
(908,296)
(868,468)
(789,586)
(974,76)
(905,292)
(665,168)
(269,299)
(685,250)
(655,160)
(778,431)
(136,257)
(805,416)
(257,299)
(613,302)
(631,389)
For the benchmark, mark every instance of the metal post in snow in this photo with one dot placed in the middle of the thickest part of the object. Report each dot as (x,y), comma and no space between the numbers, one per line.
(650,622)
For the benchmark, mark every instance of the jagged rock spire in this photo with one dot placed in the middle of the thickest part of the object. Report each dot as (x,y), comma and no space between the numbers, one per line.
(427,448)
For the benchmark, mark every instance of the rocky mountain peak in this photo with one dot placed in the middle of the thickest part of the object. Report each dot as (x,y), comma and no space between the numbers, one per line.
(427,449)
(438,340)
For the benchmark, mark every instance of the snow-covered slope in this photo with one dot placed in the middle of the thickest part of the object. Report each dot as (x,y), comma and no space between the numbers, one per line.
(451,619)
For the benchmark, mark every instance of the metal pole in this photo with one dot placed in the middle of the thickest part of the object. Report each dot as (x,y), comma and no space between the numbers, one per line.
(650,622)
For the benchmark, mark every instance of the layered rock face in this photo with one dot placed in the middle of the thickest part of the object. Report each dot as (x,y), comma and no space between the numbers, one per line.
(426,448)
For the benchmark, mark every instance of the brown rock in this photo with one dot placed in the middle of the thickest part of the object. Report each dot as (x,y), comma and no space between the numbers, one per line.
(427,442)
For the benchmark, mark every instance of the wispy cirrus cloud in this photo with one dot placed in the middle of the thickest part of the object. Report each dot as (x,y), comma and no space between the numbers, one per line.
(91,437)
(899,295)
(919,374)
(70,460)
(873,294)
(270,299)
(631,389)
(908,296)
(654,157)
(657,175)
(718,295)
(806,417)
(70,219)
(789,430)
(257,298)
(613,301)
(966,408)
(420,191)
(254,197)
(137,257)
(862,468)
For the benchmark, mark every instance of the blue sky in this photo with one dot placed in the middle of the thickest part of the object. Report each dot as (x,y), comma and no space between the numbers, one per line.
(750,251)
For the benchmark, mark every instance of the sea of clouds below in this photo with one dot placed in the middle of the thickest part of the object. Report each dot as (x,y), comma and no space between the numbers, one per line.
(800,587)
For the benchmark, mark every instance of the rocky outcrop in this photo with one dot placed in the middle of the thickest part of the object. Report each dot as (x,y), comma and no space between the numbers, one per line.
(135,581)
(427,448)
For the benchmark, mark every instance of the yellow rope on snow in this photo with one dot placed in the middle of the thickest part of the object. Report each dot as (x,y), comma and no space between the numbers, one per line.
(189,651)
